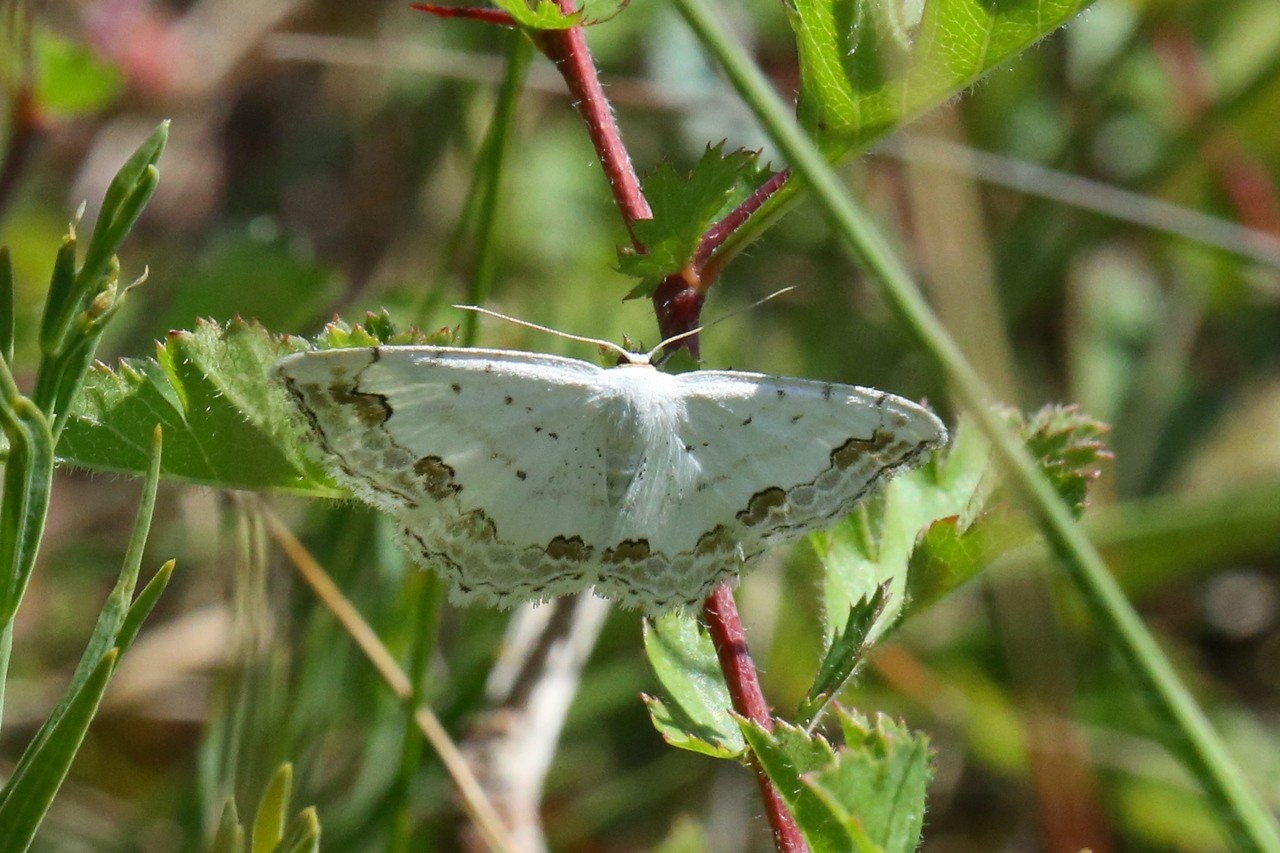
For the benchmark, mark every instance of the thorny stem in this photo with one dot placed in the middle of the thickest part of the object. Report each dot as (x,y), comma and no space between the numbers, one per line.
(677,303)
(718,233)
(488,16)
(678,300)
(725,627)
(568,50)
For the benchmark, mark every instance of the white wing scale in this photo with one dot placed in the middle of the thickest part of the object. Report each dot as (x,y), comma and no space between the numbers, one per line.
(523,476)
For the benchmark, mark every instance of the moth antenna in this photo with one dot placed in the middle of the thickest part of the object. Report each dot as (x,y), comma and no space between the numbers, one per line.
(581,339)
(705,326)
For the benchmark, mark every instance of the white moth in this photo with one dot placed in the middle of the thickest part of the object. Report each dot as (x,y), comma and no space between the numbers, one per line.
(521,476)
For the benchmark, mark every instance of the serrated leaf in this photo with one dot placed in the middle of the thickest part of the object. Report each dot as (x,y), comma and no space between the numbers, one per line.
(226,424)
(1069,448)
(873,546)
(696,712)
(683,207)
(867,796)
(948,555)
(879,781)
(787,754)
(933,529)
(542,15)
(843,657)
(867,66)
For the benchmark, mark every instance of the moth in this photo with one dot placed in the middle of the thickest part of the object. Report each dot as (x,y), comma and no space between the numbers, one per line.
(520,476)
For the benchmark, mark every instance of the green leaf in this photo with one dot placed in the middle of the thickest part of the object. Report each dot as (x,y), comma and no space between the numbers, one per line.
(867,796)
(128,179)
(1068,446)
(270,834)
(873,546)
(695,714)
(948,555)
(126,196)
(941,525)
(269,822)
(844,656)
(28,479)
(542,15)
(683,207)
(230,835)
(867,67)
(226,423)
(26,797)
(302,835)
(79,306)
(787,754)
(143,605)
(879,781)
(117,609)
(58,307)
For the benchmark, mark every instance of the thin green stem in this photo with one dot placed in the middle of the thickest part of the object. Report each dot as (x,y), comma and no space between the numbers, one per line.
(6,651)
(1249,823)
(494,158)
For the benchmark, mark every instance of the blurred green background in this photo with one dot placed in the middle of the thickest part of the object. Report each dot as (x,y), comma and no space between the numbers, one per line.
(319,162)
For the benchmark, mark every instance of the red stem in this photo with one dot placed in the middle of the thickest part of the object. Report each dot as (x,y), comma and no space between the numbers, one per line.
(488,16)
(568,50)
(725,627)
(718,233)
(678,303)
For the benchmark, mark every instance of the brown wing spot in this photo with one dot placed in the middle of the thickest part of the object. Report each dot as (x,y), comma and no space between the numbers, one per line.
(478,526)
(570,548)
(762,505)
(852,451)
(370,409)
(629,550)
(437,477)
(715,541)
